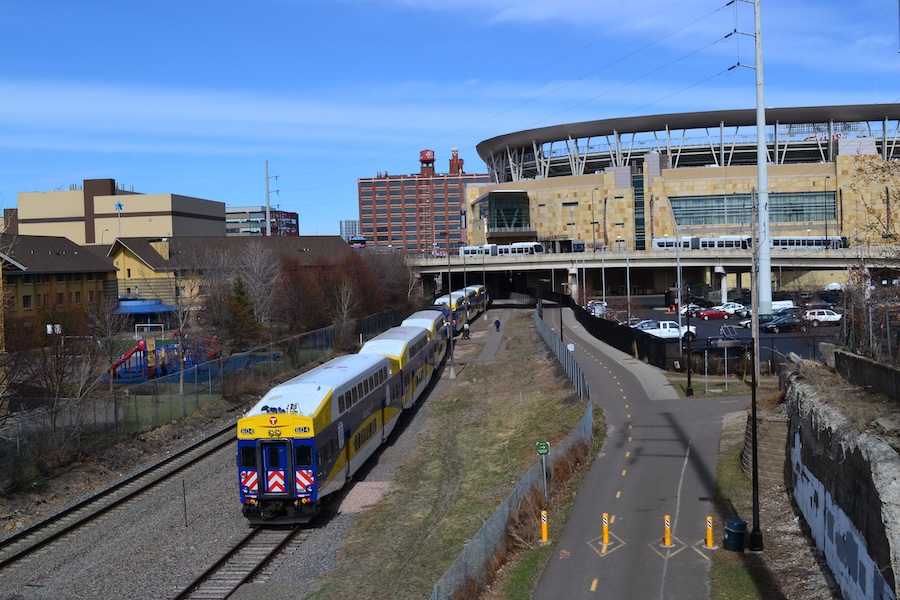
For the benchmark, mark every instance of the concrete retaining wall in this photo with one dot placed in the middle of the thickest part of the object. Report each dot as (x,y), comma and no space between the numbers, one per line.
(847,486)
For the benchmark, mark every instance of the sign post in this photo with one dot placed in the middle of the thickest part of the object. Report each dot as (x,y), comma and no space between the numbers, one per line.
(543,448)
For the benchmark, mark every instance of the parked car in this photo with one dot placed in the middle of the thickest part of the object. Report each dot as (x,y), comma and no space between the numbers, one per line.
(785,323)
(822,316)
(763,319)
(713,313)
(691,308)
(735,308)
(667,330)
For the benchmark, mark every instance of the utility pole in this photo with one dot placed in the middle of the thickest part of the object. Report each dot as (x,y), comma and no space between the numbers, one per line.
(268,210)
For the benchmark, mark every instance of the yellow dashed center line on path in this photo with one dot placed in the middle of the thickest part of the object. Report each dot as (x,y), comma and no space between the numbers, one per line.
(627,454)
(623,472)
(618,494)
(594,585)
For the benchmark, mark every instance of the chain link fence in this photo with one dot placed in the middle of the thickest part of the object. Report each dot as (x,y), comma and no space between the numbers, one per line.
(472,563)
(42,438)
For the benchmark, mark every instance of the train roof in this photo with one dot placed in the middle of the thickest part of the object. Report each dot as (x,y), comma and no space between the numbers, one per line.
(304,394)
(393,342)
(427,319)
(445,299)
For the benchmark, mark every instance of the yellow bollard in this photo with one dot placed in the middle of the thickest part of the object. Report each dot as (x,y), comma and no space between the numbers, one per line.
(544,527)
(709,532)
(667,535)
(605,529)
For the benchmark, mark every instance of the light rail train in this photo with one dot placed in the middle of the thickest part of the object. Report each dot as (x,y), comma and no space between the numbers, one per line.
(745,242)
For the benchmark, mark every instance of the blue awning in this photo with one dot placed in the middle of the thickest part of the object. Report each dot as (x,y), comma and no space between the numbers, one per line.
(144,307)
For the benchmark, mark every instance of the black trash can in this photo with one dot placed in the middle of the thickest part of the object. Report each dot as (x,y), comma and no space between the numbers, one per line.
(735,530)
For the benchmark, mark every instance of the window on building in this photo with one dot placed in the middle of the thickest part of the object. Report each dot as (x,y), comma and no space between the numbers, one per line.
(77,297)
(60,299)
(26,302)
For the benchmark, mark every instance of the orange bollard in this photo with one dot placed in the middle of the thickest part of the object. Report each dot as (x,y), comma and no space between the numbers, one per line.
(605,529)
(667,534)
(709,532)
(544,536)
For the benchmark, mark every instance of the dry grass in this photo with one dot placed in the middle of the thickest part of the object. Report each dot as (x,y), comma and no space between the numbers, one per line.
(476,440)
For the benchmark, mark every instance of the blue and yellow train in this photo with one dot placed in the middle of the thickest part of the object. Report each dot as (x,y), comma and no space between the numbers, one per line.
(307,437)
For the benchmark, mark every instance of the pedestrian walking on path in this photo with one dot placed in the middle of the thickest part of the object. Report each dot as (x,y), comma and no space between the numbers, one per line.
(497,324)
(465,331)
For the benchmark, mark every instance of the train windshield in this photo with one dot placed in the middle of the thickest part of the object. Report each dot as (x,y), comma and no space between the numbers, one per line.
(247,457)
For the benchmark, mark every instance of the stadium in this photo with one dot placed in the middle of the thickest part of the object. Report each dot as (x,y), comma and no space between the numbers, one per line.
(622,183)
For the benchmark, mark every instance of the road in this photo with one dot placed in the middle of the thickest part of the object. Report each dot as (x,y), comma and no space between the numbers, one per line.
(659,459)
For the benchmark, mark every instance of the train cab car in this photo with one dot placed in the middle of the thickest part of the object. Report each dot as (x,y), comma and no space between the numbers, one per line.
(452,305)
(479,297)
(435,323)
(306,437)
(411,354)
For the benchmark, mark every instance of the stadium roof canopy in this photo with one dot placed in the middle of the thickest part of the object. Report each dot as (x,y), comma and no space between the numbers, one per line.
(720,138)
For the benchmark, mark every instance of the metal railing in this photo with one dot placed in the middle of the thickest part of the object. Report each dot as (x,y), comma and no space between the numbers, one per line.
(491,538)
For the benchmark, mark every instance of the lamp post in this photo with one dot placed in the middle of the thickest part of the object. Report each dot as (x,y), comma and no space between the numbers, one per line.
(603,272)
(450,324)
(561,294)
(755,542)
(689,390)
(679,284)
(627,276)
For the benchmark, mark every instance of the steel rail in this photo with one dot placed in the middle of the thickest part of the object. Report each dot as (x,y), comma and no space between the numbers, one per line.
(92,507)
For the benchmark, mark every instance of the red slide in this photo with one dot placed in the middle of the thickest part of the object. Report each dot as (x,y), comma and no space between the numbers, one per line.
(139,347)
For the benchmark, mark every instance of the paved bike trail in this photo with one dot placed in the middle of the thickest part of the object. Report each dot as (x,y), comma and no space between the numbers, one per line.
(658,460)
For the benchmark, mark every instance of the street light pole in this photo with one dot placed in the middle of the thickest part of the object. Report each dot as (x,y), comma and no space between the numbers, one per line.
(628,279)
(603,272)
(563,286)
(755,542)
(689,390)
(451,324)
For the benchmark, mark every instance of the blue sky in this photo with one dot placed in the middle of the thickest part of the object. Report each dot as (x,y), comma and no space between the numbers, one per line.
(193,97)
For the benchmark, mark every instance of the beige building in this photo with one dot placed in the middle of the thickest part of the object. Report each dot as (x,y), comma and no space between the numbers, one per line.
(99,212)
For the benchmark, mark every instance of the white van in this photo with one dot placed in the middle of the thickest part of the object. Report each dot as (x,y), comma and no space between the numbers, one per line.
(782,304)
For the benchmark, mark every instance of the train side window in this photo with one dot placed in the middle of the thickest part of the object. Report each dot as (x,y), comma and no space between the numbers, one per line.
(248,457)
(355,395)
(341,406)
(303,456)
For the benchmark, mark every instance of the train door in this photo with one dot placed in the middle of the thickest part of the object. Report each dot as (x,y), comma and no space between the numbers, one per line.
(304,471)
(275,468)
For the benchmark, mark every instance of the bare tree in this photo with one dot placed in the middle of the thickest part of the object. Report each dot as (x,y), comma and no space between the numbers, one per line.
(344,307)
(106,327)
(258,268)
(300,300)
(64,361)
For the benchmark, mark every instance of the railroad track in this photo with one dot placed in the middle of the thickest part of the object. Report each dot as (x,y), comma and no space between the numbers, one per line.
(242,563)
(53,528)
